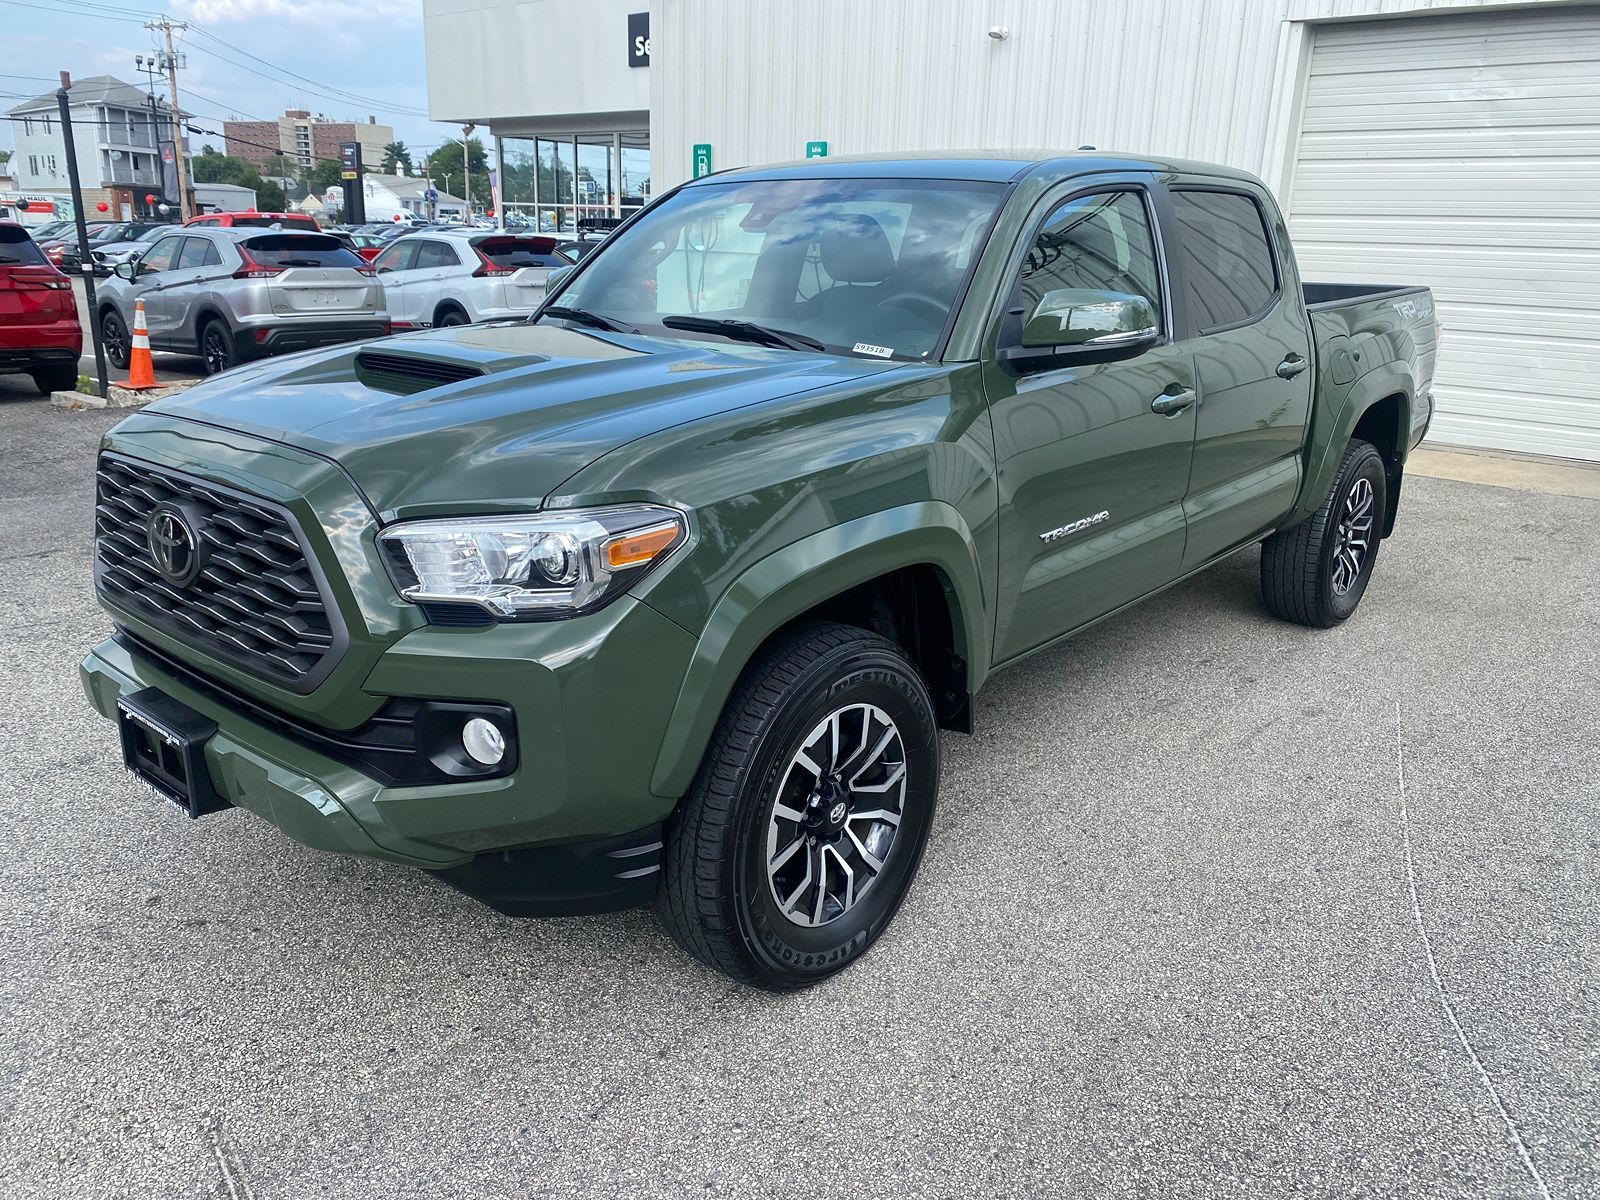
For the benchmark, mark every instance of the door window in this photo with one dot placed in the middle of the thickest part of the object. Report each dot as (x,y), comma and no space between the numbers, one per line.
(1100,242)
(198,252)
(160,256)
(1227,258)
(436,254)
(397,257)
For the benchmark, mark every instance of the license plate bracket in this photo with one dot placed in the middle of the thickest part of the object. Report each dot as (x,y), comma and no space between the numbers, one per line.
(163,746)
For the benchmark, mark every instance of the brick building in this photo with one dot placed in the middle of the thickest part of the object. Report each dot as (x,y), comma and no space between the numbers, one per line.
(304,137)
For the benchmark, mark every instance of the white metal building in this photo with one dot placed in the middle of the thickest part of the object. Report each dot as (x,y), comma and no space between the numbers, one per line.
(1449,142)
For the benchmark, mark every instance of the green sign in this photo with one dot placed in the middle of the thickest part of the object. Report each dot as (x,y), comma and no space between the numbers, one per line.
(702,159)
(816,149)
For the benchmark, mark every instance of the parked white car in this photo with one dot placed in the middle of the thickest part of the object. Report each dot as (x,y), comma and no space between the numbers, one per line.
(461,276)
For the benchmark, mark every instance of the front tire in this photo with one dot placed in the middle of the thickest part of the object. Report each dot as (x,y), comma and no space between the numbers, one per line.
(114,336)
(1316,573)
(807,821)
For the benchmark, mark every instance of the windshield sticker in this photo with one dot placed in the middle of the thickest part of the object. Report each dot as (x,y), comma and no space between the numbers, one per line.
(869,348)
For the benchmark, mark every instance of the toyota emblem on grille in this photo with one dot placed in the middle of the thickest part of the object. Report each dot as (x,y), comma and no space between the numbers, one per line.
(175,546)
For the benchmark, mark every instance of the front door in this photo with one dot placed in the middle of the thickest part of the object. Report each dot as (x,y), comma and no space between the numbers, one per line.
(1253,355)
(1093,460)
(155,270)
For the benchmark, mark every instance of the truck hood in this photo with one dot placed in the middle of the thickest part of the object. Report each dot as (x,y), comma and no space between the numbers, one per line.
(495,416)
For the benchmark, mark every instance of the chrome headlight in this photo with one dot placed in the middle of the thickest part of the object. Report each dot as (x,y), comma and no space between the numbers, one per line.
(536,567)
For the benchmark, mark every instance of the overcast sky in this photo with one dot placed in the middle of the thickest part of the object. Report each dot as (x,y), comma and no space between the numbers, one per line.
(371,49)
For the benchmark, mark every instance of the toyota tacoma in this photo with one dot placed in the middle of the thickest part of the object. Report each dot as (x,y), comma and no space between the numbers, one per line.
(665,594)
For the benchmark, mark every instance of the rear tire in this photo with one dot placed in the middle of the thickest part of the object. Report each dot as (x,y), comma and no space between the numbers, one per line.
(216,347)
(1316,573)
(114,335)
(56,377)
(827,753)
(450,318)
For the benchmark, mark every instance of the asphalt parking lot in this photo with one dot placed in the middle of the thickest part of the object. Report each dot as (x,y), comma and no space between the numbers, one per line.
(1180,931)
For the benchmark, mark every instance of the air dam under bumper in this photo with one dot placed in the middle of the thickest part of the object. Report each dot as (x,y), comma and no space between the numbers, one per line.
(574,830)
(287,336)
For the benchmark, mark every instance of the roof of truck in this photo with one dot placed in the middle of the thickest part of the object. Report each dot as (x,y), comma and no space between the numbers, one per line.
(997,166)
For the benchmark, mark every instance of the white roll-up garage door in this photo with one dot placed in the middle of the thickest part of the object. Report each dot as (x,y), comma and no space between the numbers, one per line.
(1463,152)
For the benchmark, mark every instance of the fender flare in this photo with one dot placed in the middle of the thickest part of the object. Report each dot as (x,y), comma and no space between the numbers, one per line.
(1327,444)
(790,581)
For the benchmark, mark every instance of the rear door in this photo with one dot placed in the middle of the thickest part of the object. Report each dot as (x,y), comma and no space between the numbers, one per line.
(1252,343)
(436,263)
(1093,459)
(198,265)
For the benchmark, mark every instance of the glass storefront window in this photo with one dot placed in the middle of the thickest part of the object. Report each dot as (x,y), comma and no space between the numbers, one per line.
(549,182)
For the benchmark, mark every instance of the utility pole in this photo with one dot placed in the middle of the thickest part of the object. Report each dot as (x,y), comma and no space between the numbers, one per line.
(466,168)
(166,26)
(86,266)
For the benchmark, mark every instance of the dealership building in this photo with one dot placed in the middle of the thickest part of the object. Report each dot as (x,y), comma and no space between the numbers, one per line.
(1442,142)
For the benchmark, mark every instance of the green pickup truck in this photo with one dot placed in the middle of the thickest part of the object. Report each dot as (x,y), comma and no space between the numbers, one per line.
(665,594)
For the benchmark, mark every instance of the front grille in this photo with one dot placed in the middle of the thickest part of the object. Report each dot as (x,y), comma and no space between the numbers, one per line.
(255,603)
(403,373)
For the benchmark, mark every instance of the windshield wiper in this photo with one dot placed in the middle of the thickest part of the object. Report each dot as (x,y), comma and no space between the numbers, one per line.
(745,331)
(584,317)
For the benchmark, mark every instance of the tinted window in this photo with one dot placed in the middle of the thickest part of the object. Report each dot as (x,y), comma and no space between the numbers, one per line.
(17,248)
(436,254)
(1100,242)
(519,252)
(198,252)
(301,250)
(397,257)
(1227,257)
(159,257)
(266,222)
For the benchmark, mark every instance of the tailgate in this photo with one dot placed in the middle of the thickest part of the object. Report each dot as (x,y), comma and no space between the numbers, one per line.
(35,296)
(325,290)
(525,288)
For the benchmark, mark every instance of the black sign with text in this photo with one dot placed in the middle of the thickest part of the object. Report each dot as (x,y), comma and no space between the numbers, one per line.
(639,39)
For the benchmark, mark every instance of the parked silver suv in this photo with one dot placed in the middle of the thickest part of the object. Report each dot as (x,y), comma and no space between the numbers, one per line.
(231,295)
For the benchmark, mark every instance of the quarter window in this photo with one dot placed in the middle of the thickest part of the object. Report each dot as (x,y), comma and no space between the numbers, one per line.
(1227,257)
(1100,242)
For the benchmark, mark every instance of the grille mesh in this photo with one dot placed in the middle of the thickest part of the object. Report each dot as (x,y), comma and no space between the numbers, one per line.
(256,603)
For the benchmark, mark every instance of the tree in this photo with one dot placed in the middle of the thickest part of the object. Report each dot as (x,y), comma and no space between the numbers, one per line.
(210,167)
(323,176)
(270,197)
(446,160)
(396,156)
(5,157)
(279,167)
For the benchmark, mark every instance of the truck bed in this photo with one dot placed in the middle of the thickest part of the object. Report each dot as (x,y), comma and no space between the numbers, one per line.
(1335,295)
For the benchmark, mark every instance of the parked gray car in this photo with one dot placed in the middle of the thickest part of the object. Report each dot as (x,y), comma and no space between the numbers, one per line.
(231,295)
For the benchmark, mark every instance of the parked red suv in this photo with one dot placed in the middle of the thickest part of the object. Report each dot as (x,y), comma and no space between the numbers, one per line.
(252,220)
(39,330)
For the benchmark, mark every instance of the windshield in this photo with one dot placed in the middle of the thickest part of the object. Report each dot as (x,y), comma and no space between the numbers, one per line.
(864,266)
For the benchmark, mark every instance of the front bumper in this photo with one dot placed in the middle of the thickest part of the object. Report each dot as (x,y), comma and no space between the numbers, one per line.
(574,828)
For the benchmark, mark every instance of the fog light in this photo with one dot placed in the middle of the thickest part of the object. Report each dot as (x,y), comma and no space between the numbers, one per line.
(483,741)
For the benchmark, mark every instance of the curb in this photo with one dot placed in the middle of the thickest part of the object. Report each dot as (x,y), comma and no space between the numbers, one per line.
(120,397)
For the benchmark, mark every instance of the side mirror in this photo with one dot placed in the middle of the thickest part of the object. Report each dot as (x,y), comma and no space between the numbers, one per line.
(127,270)
(1083,325)
(556,277)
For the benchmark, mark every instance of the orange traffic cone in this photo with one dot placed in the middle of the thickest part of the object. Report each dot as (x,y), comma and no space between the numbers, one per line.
(141,371)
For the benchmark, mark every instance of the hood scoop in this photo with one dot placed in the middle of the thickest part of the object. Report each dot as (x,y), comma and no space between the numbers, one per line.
(404,374)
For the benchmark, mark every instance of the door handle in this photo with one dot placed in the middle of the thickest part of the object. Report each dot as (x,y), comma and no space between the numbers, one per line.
(1291,366)
(1170,404)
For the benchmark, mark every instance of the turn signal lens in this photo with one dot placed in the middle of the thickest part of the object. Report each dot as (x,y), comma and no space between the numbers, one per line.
(632,549)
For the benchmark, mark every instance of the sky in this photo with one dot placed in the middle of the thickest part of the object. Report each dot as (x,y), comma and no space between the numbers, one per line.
(370,50)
